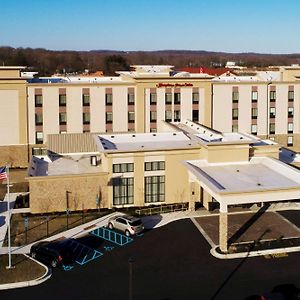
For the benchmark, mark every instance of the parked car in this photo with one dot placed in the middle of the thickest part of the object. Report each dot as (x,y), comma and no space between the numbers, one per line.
(127,224)
(54,253)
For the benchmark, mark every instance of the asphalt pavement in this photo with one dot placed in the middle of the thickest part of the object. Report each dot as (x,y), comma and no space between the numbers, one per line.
(172,262)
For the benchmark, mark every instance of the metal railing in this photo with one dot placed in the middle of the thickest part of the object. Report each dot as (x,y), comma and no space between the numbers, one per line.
(162,209)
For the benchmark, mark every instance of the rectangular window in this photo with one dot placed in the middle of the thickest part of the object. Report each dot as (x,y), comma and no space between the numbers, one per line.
(177,98)
(108,117)
(254,96)
(62,118)
(155,166)
(131,117)
(272,128)
(154,189)
(38,100)
(108,99)
(195,115)
(254,129)
(291,96)
(168,115)
(290,112)
(38,119)
(272,112)
(86,100)
(39,137)
(130,99)
(123,168)
(123,191)
(290,141)
(235,128)
(235,113)
(290,127)
(153,98)
(272,96)
(235,97)
(168,98)
(176,115)
(195,98)
(62,100)
(86,118)
(152,116)
(254,113)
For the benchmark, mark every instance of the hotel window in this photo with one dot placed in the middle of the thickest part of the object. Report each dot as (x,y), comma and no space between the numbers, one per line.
(123,168)
(235,97)
(254,96)
(108,99)
(235,113)
(290,127)
(62,118)
(176,115)
(290,112)
(154,189)
(272,96)
(86,118)
(131,117)
(272,112)
(195,115)
(155,166)
(168,115)
(290,141)
(272,128)
(39,137)
(62,100)
(86,100)
(38,100)
(254,113)
(153,98)
(168,98)
(195,98)
(38,119)
(108,117)
(254,129)
(130,99)
(291,96)
(235,128)
(152,116)
(177,97)
(123,191)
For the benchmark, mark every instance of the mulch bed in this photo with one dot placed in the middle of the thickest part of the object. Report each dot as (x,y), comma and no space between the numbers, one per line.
(24,269)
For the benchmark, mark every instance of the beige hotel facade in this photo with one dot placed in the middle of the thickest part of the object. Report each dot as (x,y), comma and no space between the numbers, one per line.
(141,101)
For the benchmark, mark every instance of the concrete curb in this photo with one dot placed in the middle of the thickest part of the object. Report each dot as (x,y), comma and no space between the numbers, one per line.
(29,283)
(253,253)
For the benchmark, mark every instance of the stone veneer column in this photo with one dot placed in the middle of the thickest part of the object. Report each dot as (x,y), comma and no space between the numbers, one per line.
(192,196)
(207,199)
(223,228)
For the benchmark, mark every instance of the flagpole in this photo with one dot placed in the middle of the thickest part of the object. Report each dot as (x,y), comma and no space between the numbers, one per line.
(8,221)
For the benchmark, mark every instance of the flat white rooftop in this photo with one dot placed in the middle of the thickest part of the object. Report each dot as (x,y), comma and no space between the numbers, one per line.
(144,142)
(259,174)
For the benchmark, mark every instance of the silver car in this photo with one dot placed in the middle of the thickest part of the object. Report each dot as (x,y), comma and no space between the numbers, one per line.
(127,224)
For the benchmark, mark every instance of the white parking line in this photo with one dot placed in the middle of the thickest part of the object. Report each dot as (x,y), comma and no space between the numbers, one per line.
(209,240)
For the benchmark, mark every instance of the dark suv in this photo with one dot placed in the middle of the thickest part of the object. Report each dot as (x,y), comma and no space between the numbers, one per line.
(54,253)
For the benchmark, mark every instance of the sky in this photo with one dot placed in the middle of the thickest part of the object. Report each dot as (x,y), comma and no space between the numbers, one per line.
(262,26)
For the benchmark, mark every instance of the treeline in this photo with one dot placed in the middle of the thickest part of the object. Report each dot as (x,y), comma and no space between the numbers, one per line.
(48,62)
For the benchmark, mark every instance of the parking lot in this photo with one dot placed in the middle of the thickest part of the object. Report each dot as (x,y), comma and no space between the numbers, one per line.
(172,262)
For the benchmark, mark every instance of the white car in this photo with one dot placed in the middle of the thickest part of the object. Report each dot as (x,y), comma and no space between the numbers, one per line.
(127,224)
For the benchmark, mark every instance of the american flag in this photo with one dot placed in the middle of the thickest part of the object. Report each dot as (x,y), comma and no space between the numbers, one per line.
(3,174)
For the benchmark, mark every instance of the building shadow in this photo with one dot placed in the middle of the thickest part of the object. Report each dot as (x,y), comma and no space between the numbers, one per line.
(248,224)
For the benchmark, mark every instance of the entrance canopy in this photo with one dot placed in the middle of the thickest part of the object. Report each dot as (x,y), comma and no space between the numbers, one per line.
(262,179)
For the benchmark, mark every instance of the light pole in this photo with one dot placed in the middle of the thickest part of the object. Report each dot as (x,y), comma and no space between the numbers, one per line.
(8,221)
(130,262)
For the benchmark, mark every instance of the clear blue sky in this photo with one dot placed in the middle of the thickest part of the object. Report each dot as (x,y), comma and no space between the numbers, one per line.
(265,26)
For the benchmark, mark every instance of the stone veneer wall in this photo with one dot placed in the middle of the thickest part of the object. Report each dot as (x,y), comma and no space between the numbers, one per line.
(15,155)
(49,194)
